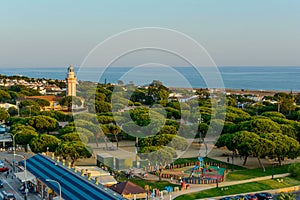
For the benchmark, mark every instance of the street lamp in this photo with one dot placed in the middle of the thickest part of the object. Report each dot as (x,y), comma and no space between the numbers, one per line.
(59,186)
(273,172)
(217,178)
(14,144)
(232,157)
(25,172)
(201,140)
(136,150)
(200,135)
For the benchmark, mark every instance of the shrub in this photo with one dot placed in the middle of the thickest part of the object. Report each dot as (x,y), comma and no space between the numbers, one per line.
(294,169)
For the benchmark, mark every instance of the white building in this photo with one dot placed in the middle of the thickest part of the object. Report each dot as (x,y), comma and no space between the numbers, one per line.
(71,82)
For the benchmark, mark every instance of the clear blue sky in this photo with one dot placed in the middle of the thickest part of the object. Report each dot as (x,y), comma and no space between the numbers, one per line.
(50,33)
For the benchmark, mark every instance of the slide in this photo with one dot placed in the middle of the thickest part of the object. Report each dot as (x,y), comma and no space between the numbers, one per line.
(196,167)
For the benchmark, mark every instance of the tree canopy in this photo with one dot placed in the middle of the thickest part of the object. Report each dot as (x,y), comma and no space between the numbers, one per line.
(4,115)
(43,123)
(39,144)
(74,150)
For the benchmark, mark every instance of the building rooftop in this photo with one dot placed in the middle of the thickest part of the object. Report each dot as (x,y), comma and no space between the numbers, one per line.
(128,187)
(73,185)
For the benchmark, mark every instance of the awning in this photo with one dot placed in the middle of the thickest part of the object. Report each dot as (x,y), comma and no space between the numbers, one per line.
(30,177)
(106,180)
(56,198)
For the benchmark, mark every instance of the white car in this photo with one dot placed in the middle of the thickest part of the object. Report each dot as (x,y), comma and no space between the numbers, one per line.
(1,164)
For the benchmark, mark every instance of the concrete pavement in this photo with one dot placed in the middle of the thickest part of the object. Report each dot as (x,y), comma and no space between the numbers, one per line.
(11,184)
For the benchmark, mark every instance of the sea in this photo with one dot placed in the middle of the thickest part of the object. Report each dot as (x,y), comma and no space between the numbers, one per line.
(246,78)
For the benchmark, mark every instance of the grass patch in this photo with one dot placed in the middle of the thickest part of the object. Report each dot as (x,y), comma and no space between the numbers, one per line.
(254,173)
(229,166)
(185,160)
(242,188)
(206,159)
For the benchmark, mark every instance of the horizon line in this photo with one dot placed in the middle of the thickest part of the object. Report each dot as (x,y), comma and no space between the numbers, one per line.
(20,67)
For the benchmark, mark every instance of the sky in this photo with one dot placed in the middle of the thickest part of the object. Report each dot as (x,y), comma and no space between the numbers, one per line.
(54,33)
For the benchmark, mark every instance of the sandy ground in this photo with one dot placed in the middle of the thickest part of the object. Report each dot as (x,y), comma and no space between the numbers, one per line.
(126,149)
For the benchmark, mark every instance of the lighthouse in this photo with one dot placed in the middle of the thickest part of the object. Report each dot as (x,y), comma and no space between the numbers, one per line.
(71,82)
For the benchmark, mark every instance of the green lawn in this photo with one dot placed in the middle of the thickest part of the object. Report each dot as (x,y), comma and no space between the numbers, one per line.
(242,188)
(185,160)
(254,173)
(206,159)
(152,184)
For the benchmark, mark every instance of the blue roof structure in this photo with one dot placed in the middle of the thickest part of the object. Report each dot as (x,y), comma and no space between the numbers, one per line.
(73,185)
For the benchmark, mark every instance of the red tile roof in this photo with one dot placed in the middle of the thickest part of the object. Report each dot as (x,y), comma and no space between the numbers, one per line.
(127,187)
(49,98)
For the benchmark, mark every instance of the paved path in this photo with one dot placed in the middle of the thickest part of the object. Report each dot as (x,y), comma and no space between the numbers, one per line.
(198,188)
(227,183)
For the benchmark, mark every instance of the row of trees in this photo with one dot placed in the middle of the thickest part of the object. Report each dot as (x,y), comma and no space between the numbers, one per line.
(68,142)
(153,128)
(246,131)
(263,129)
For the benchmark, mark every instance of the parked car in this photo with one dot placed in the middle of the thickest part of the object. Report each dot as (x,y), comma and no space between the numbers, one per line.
(251,197)
(1,184)
(264,196)
(7,196)
(4,169)
(239,197)
(227,198)
(10,196)
(1,163)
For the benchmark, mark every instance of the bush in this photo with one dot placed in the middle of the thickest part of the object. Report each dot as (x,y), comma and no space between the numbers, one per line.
(294,169)
(287,196)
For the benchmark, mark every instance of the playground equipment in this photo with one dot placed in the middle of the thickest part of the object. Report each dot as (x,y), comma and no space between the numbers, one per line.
(198,166)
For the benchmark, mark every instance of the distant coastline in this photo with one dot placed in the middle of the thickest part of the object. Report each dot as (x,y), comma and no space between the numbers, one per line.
(235,78)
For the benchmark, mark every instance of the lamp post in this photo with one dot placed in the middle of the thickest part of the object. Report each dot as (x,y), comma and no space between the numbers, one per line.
(25,172)
(217,178)
(201,140)
(200,134)
(273,169)
(232,157)
(136,150)
(14,144)
(59,186)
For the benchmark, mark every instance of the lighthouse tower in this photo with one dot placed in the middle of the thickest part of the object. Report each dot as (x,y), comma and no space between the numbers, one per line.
(71,82)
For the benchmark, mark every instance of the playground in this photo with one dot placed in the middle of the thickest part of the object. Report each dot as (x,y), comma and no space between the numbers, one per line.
(200,173)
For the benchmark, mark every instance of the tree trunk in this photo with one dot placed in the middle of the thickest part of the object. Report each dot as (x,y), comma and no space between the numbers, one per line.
(25,147)
(104,137)
(160,174)
(116,138)
(261,165)
(96,140)
(279,161)
(73,163)
(278,105)
(245,160)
